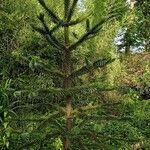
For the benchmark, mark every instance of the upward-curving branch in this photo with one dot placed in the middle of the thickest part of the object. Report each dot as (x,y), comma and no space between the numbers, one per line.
(71,10)
(85,69)
(51,14)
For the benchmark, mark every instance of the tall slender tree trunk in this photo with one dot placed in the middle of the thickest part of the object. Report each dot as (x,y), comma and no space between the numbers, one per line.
(67,82)
(147,47)
(127,42)
(127,49)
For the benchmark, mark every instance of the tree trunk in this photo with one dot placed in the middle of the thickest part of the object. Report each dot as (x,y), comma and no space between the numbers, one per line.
(147,47)
(67,82)
(127,49)
(127,42)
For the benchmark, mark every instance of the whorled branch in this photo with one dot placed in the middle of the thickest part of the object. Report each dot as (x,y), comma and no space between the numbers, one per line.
(85,69)
(51,14)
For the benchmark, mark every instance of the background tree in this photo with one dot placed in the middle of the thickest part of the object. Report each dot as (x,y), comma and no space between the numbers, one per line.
(143,12)
(135,34)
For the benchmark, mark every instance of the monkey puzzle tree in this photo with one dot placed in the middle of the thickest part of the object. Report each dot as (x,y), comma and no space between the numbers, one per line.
(67,90)
(67,71)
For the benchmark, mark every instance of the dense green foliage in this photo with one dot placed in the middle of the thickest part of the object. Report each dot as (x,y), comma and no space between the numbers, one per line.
(69,87)
(136,29)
